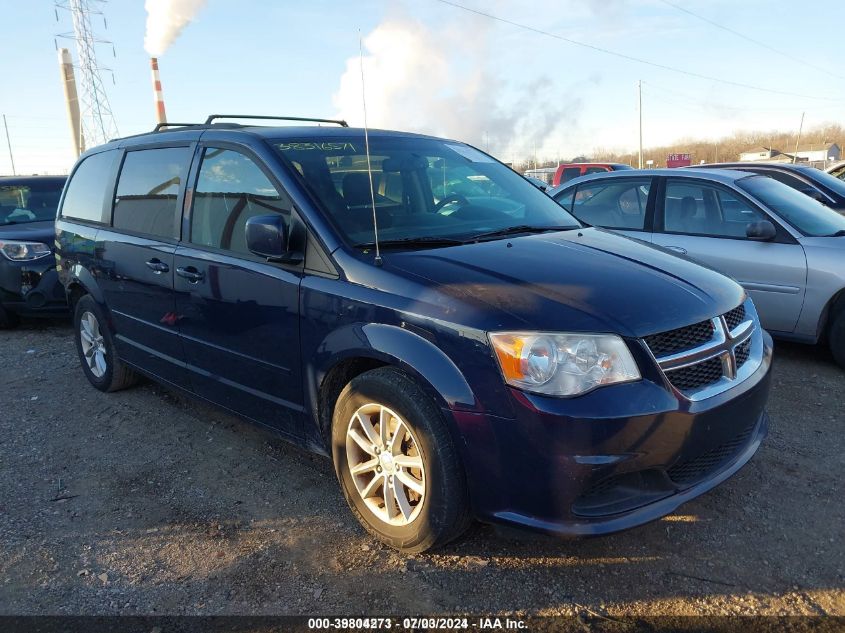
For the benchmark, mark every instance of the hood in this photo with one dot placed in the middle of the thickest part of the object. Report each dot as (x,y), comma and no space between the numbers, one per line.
(43,231)
(586,280)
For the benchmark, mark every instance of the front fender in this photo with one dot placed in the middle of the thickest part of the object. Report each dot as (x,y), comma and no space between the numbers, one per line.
(399,347)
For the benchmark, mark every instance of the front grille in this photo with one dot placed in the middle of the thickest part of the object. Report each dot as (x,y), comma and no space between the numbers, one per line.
(698,468)
(696,376)
(683,338)
(735,317)
(743,351)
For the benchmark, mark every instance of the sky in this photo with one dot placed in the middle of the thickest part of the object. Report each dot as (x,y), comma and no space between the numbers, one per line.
(430,66)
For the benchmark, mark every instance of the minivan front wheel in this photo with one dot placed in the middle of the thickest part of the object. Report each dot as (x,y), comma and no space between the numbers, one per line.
(396,462)
(95,345)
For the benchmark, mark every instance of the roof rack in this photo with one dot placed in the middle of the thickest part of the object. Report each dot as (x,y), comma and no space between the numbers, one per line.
(211,118)
(159,126)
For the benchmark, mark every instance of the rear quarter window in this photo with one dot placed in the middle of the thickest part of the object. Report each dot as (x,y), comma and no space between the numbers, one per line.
(88,188)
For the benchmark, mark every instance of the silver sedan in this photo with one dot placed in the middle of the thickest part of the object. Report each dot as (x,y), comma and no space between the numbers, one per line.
(785,248)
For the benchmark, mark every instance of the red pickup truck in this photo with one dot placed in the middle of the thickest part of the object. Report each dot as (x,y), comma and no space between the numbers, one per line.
(568,171)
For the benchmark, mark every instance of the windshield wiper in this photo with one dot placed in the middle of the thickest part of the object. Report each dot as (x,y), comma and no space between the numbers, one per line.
(837,234)
(521,228)
(426,241)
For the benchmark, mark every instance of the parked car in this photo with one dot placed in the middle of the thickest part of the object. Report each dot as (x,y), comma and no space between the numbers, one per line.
(821,186)
(837,170)
(569,171)
(542,185)
(28,282)
(487,357)
(785,248)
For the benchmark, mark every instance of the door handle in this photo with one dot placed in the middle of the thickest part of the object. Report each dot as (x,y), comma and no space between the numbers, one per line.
(678,249)
(191,274)
(157,266)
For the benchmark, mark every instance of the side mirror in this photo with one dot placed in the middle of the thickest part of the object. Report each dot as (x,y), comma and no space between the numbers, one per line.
(267,236)
(762,230)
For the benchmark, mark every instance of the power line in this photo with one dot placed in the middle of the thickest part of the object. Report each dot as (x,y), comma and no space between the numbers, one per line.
(751,39)
(631,58)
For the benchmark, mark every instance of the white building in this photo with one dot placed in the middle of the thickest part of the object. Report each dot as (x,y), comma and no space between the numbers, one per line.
(820,152)
(758,153)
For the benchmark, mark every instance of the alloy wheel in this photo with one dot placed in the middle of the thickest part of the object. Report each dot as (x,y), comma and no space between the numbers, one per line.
(93,345)
(384,460)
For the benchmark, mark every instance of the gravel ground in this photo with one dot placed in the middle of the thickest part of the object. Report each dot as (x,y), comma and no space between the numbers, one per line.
(145,502)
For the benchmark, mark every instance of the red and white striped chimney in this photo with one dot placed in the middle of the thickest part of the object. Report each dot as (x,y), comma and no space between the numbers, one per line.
(161,117)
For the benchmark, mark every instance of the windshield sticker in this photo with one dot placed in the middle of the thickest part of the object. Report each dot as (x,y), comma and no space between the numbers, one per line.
(470,153)
(325,147)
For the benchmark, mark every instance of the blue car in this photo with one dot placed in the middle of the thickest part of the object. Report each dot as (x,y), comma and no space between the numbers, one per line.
(461,346)
(28,282)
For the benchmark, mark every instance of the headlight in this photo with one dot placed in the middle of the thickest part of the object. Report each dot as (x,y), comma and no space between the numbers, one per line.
(23,251)
(559,364)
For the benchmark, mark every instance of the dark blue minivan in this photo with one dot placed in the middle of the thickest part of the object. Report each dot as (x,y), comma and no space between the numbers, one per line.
(457,342)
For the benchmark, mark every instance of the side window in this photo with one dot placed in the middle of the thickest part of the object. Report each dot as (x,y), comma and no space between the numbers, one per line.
(613,204)
(569,173)
(706,210)
(230,189)
(595,170)
(88,188)
(565,198)
(147,190)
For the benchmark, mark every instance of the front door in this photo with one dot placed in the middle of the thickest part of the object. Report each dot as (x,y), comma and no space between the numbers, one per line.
(707,222)
(238,314)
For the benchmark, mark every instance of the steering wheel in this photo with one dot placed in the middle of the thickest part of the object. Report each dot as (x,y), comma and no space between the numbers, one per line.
(452,197)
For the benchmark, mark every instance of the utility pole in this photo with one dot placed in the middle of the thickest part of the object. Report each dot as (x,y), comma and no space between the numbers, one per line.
(640,108)
(798,140)
(9,143)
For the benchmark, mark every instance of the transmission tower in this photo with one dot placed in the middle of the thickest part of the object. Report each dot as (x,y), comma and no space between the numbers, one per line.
(97,122)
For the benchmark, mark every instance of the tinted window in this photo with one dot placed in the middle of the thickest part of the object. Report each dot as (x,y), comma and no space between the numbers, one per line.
(595,170)
(795,182)
(614,204)
(423,187)
(29,201)
(230,189)
(564,199)
(700,209)
(825,179)
(805,214)
(147,190)
(88,188)
(569,173)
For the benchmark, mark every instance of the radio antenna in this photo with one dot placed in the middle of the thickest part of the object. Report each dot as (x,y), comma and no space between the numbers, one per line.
(367,148)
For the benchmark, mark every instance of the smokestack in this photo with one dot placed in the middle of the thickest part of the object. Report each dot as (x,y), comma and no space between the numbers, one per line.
(71,101)
(161,117)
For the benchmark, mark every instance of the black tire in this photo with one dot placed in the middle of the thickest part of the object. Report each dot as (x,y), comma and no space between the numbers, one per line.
(836,337)
(445,512)
(8,319)
(117,375)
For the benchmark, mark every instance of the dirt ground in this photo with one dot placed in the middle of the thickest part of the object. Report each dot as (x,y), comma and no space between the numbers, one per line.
(144,502)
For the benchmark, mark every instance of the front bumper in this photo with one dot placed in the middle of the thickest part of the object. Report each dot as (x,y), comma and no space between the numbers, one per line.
(31,287)
(612,459)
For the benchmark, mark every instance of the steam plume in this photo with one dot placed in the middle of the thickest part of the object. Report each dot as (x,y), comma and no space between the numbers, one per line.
(443,83)
(165,21)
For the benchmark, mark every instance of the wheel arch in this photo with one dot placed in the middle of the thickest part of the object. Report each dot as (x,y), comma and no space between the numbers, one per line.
(834,307)
(353,350)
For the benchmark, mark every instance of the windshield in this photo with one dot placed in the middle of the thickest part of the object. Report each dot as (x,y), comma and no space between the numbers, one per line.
(823,178)
(31,202)
(423,188)
(805,214)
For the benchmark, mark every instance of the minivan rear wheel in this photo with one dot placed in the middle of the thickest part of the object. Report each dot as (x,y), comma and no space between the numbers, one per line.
(836,337)
(95,345)
(397,463)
